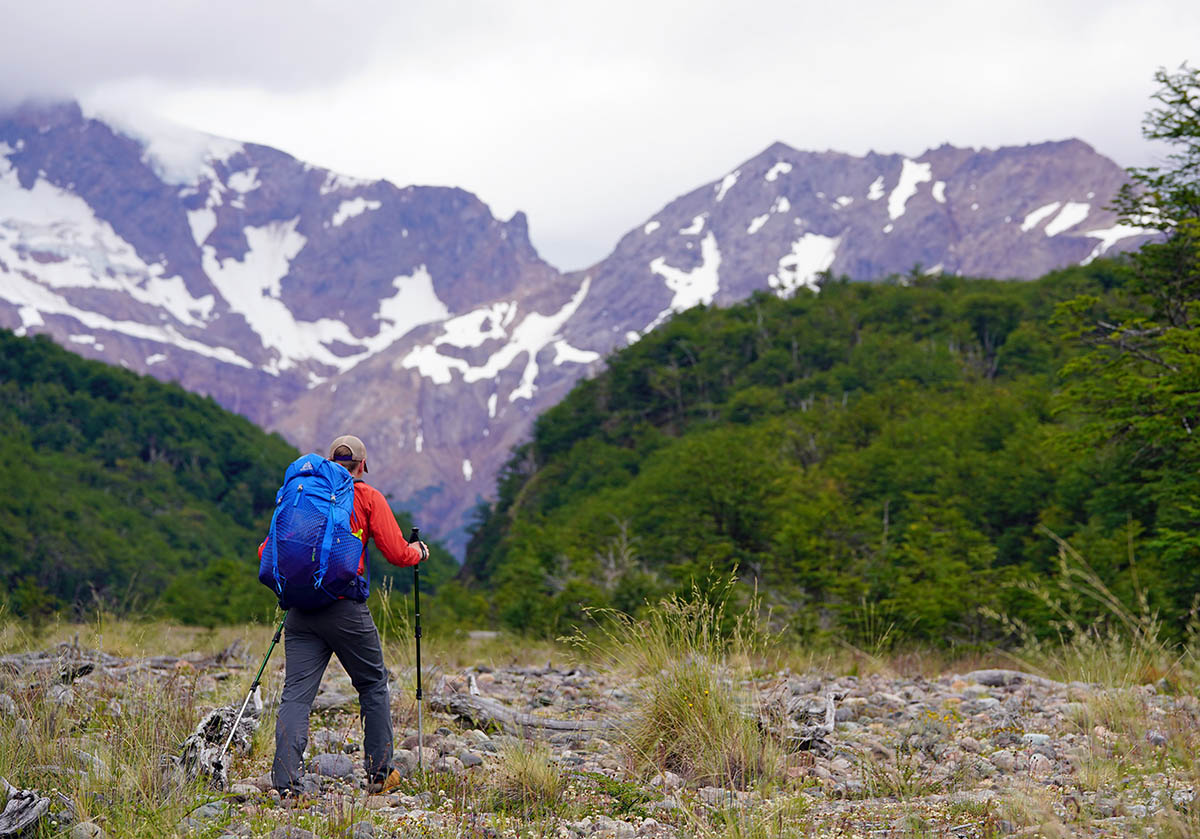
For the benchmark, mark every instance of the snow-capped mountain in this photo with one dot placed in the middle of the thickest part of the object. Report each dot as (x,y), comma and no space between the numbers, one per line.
(317,305)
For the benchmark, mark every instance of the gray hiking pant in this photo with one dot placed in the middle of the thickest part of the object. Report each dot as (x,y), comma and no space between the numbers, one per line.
(344,628)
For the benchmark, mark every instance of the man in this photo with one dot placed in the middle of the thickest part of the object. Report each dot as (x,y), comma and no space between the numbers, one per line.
(346,629)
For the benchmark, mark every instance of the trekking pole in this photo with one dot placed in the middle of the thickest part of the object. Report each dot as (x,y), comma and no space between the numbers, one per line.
(253,688)
(415,536)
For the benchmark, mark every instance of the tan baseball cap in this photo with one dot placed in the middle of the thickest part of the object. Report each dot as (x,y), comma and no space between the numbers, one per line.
(357,450)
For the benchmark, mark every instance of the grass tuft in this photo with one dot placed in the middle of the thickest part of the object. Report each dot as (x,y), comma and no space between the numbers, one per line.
(693,713)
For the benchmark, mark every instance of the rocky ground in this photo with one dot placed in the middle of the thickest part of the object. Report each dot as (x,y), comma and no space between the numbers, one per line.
(982,753)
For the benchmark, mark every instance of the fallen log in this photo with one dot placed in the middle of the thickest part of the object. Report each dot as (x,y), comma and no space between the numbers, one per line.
(1007,678)
(481,712)
(23,809)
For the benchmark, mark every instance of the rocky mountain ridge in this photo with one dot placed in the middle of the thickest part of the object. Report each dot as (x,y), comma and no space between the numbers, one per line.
(316,304)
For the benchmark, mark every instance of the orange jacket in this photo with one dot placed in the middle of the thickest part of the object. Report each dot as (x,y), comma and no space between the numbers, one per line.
(373,519)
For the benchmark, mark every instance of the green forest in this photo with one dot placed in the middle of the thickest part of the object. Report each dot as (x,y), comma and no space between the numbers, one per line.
(133,497)
(909,453)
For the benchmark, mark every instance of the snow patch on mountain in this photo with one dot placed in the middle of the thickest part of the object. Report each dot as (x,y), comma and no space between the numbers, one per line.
(34,301)
(650,227)
(564,352)
(811,254)
(202,222)
(1070,215)
(354,207)
(56,238)
(875,190)
(726,184)
(533,334)
(780,168)
(939,192)
(689,288)
(912,175)
(781,205)
(757,222)
(1039,215)
(1110,236)
(695,227)
(335,183)
(244,181)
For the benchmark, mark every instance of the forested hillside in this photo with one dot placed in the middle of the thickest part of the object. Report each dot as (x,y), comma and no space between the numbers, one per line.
(905,456)
(133,496)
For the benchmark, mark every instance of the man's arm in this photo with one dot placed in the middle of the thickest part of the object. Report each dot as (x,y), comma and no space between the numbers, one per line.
(387,535)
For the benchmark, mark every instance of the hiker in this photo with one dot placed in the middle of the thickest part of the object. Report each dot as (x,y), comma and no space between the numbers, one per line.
(343,627)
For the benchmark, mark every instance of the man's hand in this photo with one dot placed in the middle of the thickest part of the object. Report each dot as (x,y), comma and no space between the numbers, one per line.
(424,551)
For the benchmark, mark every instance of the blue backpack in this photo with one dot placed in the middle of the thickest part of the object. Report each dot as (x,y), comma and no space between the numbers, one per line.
(311,557)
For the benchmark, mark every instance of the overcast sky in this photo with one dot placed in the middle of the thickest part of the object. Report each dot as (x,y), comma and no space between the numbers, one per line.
(591,116)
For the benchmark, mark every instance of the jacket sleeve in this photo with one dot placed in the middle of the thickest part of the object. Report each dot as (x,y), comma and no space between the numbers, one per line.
(386,532)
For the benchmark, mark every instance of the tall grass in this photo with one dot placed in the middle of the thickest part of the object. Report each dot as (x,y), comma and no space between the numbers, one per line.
(694,713)
(1097,637)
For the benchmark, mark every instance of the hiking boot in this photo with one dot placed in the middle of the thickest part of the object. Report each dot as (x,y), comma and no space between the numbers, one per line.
(382,785)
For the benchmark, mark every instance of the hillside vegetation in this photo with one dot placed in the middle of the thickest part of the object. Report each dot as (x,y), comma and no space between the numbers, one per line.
(893,444)
(936,458)
(132,496)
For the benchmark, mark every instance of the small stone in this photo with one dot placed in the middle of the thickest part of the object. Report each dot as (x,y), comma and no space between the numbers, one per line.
(243,792)
(449,764)
(715,796)
(1138,811)
(1040,765)
(1004,760)
(333,701)
(667,780)
(291,832)
(969,744)
(1035,739)
(8,706)
(211,810)
(362,830)
(470,759)
(1156,738)
(475,736)
(333,765)
(86,830)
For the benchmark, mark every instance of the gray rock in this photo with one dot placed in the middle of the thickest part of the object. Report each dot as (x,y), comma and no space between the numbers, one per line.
(243,792)
(1004,760)
(333,701)
(1040,765)
(449,764)
(476,737)
(86,830)
(1035,739)
(362,830)
(667,780)
(470,759)
(1156,738)
(211,810)
(333,765)
(8,706)
(291,832)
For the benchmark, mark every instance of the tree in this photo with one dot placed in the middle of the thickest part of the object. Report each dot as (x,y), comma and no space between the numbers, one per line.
(1136,388)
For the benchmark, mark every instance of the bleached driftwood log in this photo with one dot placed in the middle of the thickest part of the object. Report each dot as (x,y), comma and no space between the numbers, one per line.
(1007,678)
(23,808)
(481,712)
